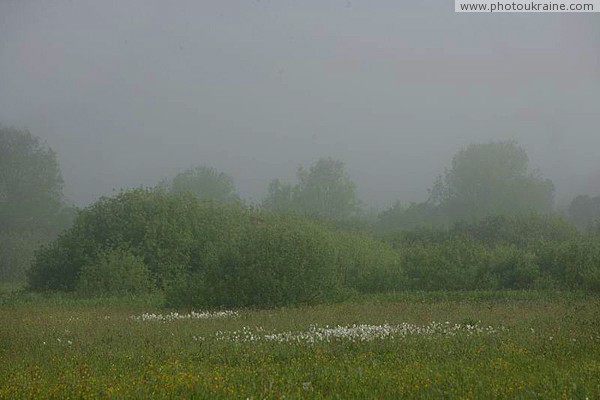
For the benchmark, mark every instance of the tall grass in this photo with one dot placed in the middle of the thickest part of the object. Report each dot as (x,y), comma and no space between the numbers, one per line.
(541,345)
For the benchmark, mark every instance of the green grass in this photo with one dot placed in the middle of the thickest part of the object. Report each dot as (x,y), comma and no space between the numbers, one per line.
(10,287)
(550,348)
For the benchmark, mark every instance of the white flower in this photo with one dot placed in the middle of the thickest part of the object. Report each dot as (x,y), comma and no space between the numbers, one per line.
(354,332)
(174,316)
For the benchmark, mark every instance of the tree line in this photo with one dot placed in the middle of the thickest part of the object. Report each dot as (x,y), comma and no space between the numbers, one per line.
(489,179)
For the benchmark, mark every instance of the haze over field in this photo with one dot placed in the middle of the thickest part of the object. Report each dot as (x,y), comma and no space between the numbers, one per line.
(128,93)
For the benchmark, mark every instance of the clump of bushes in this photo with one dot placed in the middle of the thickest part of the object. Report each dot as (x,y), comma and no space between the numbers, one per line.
(206,254)
(500,252)
(367,265)
(454,265)
(155,226)
(277,260)
(115,272)
(575,263)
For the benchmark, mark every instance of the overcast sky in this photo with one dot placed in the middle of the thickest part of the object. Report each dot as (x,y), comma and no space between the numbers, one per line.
(130,92)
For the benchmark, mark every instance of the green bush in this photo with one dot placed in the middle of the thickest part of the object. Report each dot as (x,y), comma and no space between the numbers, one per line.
(278,260)
(501,252)
(168,231)
(204,254)
(454,265)
(514,268)
(575,264)
(208,254)
(367,265)
(115,272)
(463,264)
(285,259)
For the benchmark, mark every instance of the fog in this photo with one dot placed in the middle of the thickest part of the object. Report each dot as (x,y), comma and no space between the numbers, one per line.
(130,92)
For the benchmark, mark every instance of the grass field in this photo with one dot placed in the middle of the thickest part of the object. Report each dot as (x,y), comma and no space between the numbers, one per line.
(403,345)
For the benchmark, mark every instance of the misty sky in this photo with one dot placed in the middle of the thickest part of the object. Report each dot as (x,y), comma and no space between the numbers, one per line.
(130,92)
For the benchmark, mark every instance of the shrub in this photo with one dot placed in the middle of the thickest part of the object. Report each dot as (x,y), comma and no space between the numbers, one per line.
(453,265)
(168,231)
(208,254)
(514,268)
(115,272)
(367,265)
(204,254)
(278,260)
(575,264)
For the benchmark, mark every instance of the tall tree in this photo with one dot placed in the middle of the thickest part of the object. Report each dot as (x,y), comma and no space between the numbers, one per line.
(491,178)
(323,190)
(32,210)
(206,183)
(280,196)
(30,182)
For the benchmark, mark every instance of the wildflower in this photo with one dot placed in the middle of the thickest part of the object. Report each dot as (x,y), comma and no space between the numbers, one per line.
(174,316)
(359,333)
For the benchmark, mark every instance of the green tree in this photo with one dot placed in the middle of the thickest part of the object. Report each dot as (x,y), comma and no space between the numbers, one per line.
(280,196)
(323,190)
(32,209)
(30,182)
(205,183)
(584,211)
(490,179)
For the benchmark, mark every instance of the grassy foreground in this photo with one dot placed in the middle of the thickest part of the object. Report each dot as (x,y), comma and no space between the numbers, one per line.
(487,345)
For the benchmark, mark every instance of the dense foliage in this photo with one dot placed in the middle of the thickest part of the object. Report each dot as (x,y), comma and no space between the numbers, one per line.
(500,253)
(205,253)
(192,240)
(115,272)
(209,254)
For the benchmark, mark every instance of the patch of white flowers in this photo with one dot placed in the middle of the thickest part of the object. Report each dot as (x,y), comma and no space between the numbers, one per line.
(360,333)
(174,316)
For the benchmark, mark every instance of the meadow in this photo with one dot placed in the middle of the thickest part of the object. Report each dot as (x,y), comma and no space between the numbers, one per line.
(483,344)
(159,295)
